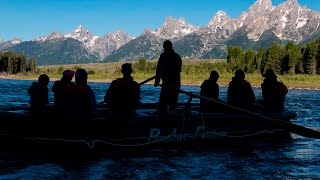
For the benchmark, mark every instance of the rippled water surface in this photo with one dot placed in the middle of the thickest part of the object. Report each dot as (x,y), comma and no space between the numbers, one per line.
(297,159)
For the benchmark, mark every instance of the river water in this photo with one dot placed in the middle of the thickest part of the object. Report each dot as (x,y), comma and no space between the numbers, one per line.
(297,159)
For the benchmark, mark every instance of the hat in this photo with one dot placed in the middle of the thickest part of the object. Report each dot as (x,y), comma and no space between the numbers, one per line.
(68,73)
(269,74)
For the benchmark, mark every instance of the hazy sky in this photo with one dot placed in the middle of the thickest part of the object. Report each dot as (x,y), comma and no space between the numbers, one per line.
(27,19)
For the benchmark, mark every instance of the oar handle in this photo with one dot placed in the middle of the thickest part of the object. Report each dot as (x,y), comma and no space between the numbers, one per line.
(147,80)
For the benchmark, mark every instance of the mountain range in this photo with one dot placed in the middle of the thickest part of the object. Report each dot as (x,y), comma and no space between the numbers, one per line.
(256,28)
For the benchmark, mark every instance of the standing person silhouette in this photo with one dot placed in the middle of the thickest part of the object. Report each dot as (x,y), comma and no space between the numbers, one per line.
(168,70)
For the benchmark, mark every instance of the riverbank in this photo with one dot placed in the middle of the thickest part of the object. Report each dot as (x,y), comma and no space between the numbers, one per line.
(305,82)
(194,72)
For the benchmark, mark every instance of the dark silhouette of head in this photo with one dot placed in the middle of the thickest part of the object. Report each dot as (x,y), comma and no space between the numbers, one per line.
(269,74)
(167,45)
(67,75)
(126,69)
(81,76)
(43,79)
(214,76)
(239,74)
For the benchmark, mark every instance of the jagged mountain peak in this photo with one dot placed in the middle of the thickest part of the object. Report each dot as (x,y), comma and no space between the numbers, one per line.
(55,35)
(175,28)
(261,7)
(110,42)
(289,4)
(80,29)
(147,31)
(219,18)
(83,35)
(16,41)
(293,2)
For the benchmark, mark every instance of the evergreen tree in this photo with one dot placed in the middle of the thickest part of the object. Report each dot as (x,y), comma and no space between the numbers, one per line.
(23,63)
(8,57)
(32,65)
(250,64)
(291,59)
(258,60)
(274,58)
(309,58)
(235,57)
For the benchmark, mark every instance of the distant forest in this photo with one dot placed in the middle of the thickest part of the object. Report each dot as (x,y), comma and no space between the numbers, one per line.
(12,63)
(290,59)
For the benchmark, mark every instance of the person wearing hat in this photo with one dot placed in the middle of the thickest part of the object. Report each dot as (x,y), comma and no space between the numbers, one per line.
(123,95)
(61,88)
(168,70)
(210,89)
(240,92)
(273,92)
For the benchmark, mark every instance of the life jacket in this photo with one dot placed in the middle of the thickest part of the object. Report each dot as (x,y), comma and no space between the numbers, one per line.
(211,90)
(123,95)
(73,98)
(169,65)
(274,93)
(240,93)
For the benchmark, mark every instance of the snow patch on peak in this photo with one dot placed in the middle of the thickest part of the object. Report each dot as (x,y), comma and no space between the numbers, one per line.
(221,13)
(16,41)
(175,28)
(83,35)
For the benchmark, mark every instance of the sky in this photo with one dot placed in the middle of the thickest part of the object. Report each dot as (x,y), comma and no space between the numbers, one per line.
(28,19)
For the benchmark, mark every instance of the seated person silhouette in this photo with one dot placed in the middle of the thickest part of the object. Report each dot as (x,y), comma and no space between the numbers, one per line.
(210,89)
(123,95)
(273,92)
(38,92)
(240,92)
(64,96)
(86,101)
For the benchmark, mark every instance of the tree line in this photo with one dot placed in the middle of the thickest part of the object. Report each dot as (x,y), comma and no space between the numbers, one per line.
(288,59)
(13,63)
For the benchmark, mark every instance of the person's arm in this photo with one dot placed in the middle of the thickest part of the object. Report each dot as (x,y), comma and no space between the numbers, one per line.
(107,97)
(138,97)
(46,98)
(229,93)
(252,97)
(179,63)
(217,91)
(92,100)
(159,71)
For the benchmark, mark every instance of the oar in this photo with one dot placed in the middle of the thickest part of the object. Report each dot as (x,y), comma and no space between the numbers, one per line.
(141,83)
(147,80)
(297,129)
